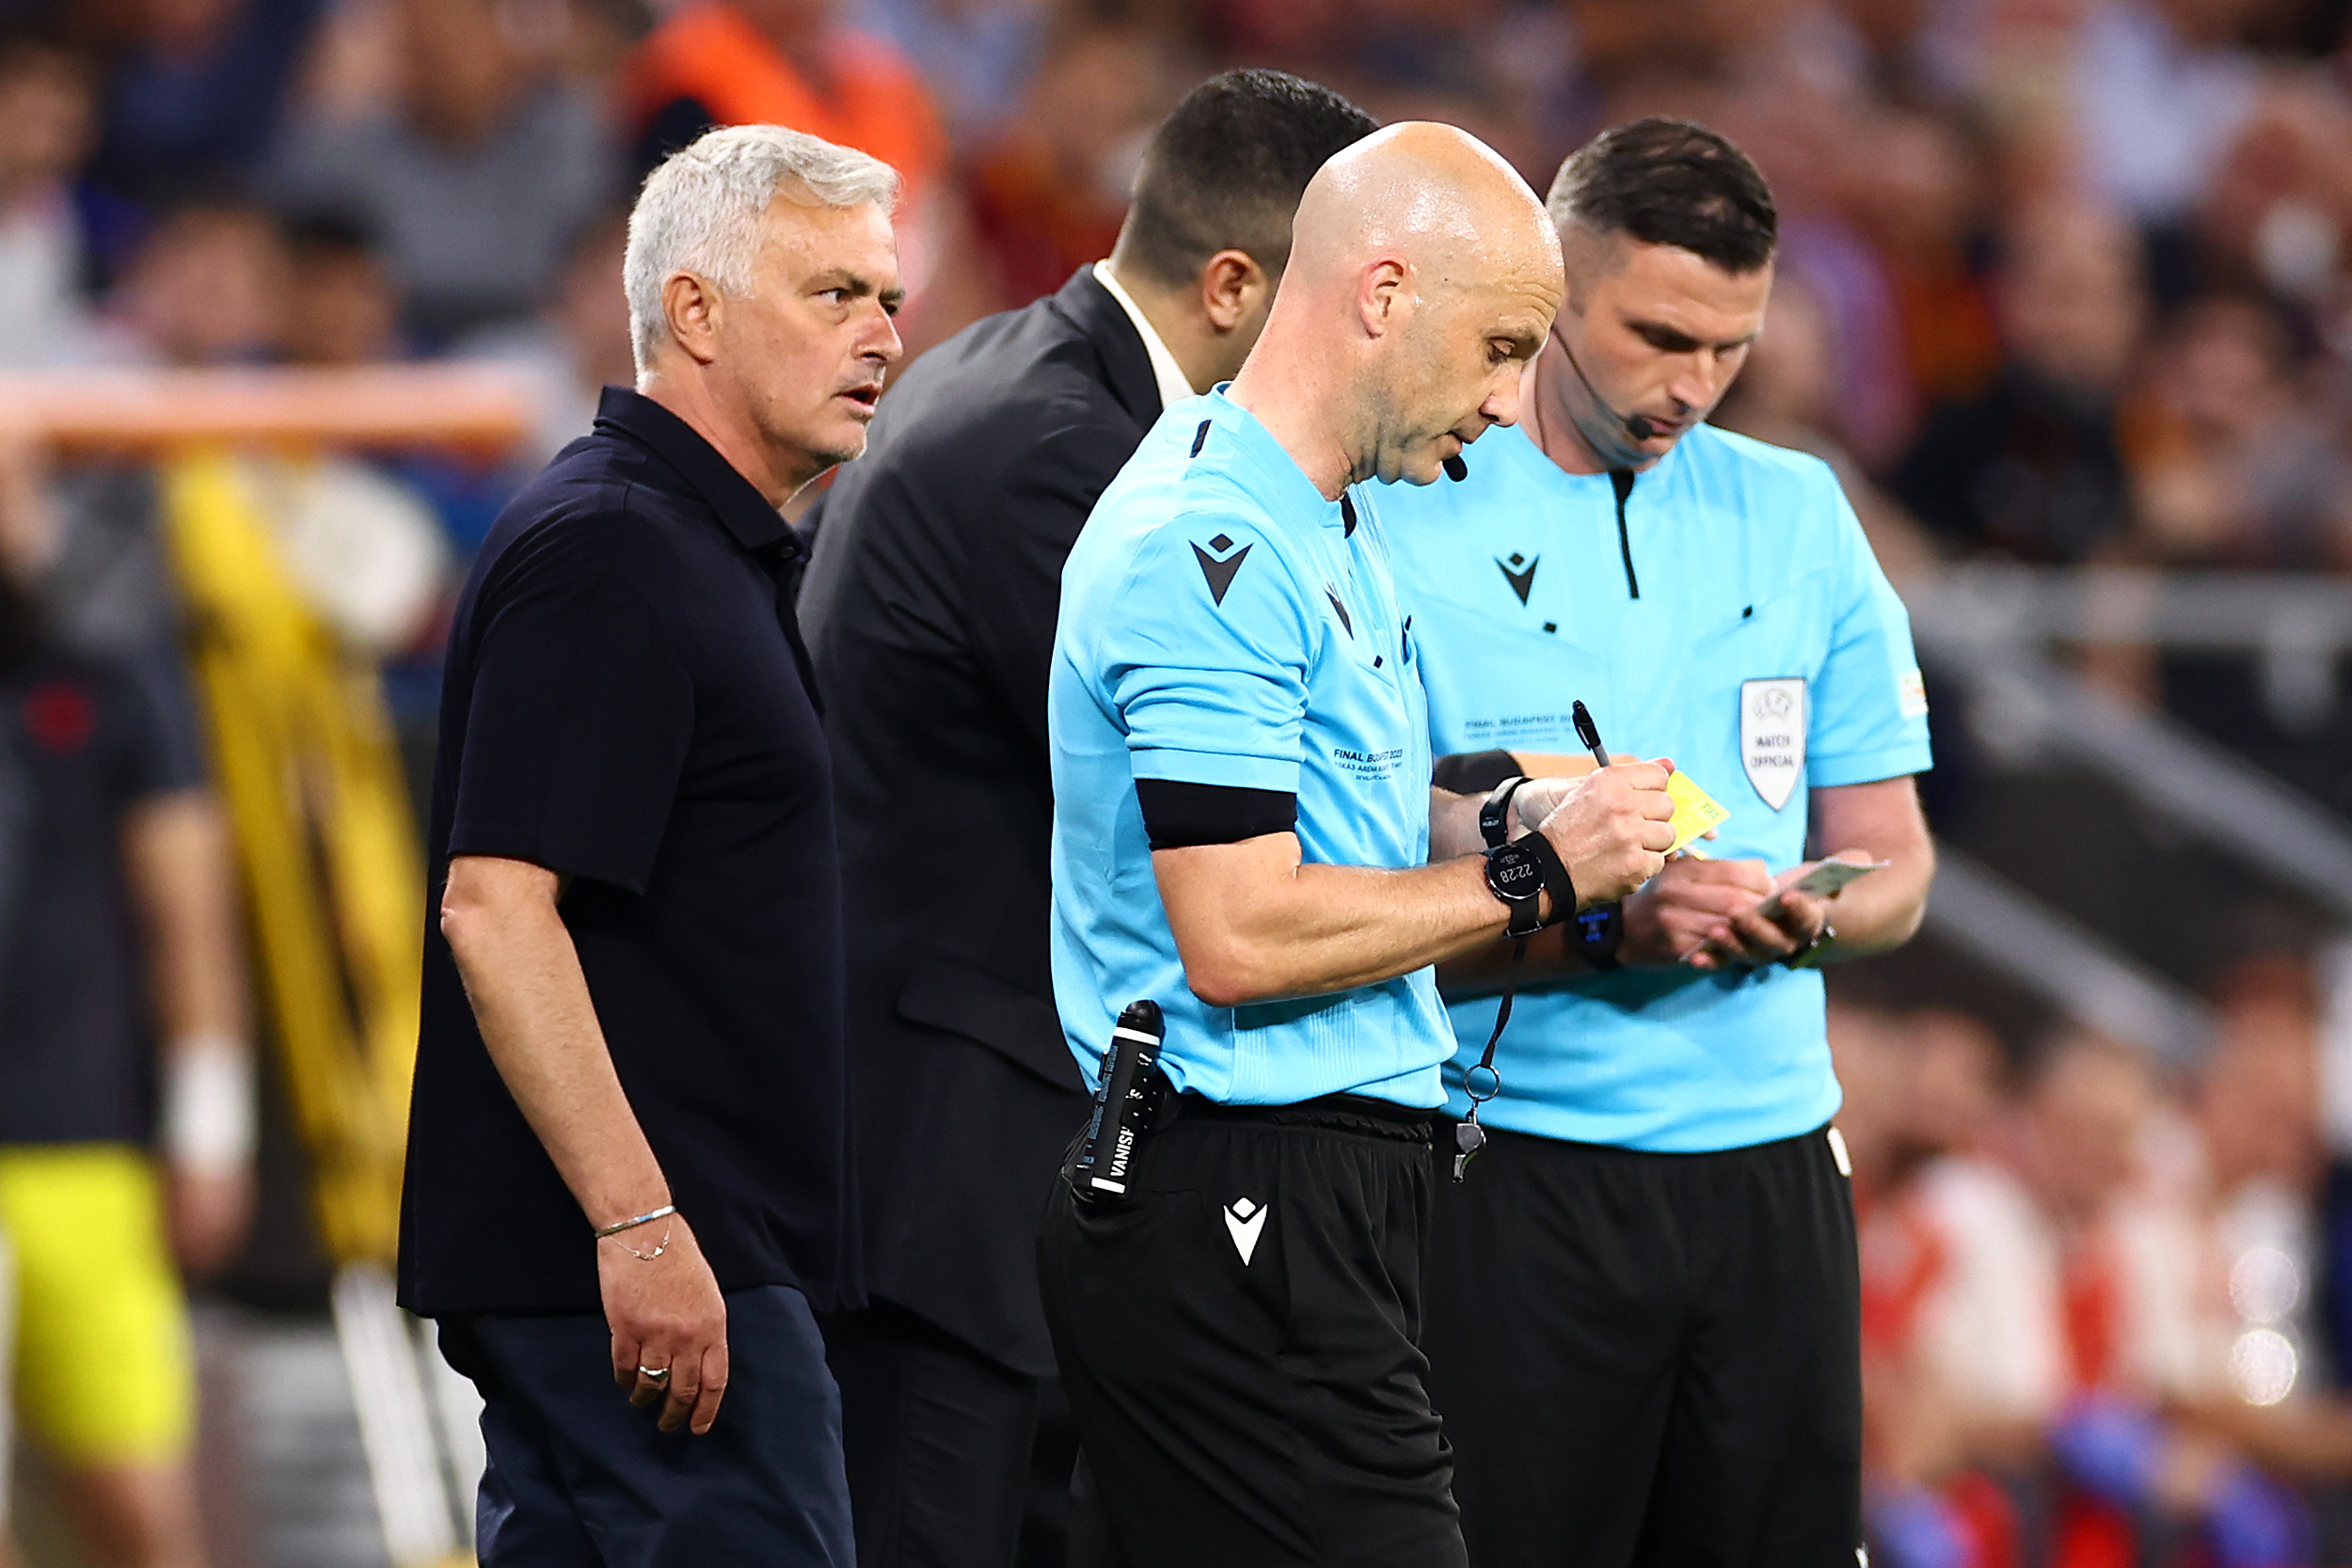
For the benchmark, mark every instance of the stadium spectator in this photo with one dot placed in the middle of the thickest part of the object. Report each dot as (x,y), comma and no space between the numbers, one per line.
(786,62)
(341,305)
(2132,1265)
(575,345)
(358,535)
(2029,468)
(2231,464)
(1786,396)
(2161,89)
(2274,216)
(796,63)
(197,94)
(476,176)
(1920,199)
(119,974)
(203,289)
(1962,1356)
(47,107)
(1048,198)
(976,54)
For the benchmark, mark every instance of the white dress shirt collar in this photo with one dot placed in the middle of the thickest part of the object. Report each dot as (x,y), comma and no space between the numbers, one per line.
(1170,374)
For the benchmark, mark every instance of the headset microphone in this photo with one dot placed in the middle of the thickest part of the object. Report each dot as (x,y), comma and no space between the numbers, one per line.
(1456,469)
(1640,426)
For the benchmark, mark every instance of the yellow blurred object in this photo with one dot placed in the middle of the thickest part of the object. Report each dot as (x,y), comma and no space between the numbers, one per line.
(305,758)
(105,1374)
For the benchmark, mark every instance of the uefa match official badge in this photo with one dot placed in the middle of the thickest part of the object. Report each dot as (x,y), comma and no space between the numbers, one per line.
(1771,735)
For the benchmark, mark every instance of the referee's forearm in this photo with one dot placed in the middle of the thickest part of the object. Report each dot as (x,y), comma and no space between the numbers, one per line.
(1252,924)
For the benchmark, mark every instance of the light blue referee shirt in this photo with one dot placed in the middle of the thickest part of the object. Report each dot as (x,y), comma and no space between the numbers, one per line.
(1223,624)
(1765,653)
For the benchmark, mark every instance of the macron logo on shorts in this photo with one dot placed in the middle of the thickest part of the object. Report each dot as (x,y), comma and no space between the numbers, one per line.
(1245,1217)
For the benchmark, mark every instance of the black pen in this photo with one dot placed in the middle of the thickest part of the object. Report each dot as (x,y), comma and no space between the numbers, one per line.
(1588,733)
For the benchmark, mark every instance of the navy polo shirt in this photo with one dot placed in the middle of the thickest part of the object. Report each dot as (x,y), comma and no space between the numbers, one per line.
(627,704)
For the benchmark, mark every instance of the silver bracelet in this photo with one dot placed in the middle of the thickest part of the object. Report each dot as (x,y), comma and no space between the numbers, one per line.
(646,1218)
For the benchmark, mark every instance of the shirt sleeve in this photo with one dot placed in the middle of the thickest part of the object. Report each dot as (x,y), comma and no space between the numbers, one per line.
(1205,655)
(580,715)
(156,745)
(1869,708)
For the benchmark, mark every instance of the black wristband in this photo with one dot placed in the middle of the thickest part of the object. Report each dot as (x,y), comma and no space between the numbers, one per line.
(1556,880)
(1494,812)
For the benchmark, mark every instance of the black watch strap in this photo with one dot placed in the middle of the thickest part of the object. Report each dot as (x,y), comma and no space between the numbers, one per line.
(1556,880)
(1494,812)
(1599,932)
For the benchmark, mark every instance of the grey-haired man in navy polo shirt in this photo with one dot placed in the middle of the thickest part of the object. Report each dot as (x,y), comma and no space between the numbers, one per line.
(627,1154)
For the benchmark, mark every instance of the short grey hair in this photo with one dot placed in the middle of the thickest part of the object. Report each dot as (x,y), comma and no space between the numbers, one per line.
(700,210)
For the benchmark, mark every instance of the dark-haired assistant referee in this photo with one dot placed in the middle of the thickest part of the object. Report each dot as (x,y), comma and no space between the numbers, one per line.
(1644,1313)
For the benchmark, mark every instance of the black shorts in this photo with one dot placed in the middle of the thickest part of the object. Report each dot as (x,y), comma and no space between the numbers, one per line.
(1650,1359)
(1238,1340)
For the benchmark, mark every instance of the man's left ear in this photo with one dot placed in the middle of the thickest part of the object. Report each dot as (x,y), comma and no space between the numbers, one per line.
(1234,289)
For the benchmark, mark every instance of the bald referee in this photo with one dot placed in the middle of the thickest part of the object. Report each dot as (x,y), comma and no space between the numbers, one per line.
(1245,834)
(1643,1317)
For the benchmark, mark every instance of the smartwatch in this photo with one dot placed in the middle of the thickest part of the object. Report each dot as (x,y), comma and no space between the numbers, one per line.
(1494,812)
(1520,874)
(1598,933)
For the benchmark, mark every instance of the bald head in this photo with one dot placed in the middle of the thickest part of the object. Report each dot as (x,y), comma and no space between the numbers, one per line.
(1424,277)
(1431,195)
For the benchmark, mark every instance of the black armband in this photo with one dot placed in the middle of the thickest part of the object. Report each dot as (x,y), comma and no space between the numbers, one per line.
(1472,772)
(1178,816)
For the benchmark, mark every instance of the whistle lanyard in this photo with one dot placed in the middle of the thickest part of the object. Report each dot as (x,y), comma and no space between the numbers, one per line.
(1469,1137)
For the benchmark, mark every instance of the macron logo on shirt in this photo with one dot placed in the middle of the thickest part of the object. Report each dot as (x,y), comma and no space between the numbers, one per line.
(1520,581)
(1218,561)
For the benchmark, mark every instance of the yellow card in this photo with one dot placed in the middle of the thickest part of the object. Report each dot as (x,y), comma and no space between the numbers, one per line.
(1695,811)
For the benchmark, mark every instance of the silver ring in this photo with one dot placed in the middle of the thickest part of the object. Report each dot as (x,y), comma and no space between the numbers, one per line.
(658,1375)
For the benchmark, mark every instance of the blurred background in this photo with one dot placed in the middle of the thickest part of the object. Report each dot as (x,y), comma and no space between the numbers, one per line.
(2065,296)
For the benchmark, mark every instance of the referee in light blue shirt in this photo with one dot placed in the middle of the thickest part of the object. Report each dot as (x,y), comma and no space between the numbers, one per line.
(1644,1318)
(1245,834)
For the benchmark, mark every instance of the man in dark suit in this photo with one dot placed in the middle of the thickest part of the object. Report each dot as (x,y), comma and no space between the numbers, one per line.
(929,611)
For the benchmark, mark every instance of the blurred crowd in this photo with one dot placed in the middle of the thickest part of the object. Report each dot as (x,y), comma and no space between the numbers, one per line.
(2104,1315)
(2062,282)
(2064,279)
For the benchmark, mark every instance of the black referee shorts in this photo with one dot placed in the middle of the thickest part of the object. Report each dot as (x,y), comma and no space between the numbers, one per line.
(1238,1342)
(1650,1359)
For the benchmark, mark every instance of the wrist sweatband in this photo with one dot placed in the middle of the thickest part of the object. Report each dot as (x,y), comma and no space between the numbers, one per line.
(207,1119)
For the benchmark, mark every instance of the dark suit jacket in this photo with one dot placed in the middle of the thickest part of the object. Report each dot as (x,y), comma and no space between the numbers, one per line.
(929,610)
